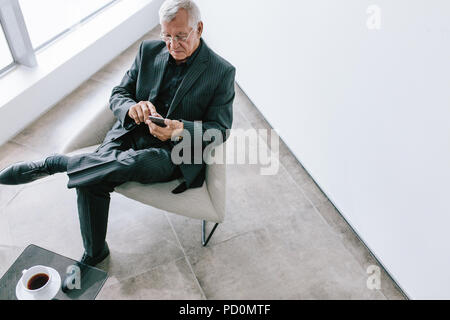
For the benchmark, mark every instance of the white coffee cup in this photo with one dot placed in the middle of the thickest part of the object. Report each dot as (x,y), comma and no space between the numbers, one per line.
(40,288)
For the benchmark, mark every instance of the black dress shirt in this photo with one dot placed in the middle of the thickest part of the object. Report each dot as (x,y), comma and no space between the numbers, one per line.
(173,76)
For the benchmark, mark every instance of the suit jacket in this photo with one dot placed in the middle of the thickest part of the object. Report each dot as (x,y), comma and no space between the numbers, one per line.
(203,100)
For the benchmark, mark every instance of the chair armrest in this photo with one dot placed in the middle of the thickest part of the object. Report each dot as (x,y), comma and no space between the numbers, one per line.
(93,132)
(216,179)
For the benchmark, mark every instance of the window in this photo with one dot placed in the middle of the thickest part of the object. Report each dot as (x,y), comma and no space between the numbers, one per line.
(47,19)
(5,54)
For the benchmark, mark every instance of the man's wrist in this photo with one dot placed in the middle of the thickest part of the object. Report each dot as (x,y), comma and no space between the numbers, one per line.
(178,132)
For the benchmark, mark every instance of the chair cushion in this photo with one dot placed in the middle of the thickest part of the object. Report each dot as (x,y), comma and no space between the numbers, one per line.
(193,203)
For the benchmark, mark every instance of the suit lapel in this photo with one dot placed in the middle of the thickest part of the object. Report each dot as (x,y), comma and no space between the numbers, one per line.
(159,67)
(198,66)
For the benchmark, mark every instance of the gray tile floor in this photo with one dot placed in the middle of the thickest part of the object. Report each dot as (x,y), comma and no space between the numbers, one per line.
(282,238)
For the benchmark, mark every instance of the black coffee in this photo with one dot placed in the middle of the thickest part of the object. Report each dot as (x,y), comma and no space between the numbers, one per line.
(37,281)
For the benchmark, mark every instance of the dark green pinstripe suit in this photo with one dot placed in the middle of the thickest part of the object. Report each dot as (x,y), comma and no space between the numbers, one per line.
(205,94)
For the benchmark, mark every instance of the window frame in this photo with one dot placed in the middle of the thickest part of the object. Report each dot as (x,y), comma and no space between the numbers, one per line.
(8,66)
(74,26)
(16,34)
(18,38)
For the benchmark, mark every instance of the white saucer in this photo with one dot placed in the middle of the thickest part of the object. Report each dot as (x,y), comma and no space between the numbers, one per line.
(50,293)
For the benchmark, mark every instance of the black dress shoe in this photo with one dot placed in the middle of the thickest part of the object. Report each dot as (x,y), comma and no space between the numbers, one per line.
(24,172)
(92,261)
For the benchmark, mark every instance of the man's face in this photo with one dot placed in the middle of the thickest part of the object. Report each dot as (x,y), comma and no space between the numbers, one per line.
(179,27)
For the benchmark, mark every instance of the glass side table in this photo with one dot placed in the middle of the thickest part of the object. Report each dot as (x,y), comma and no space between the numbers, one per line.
(92,279)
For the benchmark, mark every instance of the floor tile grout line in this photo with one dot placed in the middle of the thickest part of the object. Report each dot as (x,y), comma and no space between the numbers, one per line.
(186,258)
(300,187)
(8,224)
(11,236)
(237,235)
(12,198)
(100,81)
(13,141)
(103,82)
(131,276)
(297,185)
(331,228)
(295,182)
(326,222)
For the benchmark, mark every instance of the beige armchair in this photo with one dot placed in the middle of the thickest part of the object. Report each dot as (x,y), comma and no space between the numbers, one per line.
(206,203)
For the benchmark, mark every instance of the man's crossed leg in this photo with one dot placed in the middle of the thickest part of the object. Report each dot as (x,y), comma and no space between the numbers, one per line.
(95,175)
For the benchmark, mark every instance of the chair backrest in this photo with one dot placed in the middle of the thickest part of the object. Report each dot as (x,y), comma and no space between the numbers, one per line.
(93,131)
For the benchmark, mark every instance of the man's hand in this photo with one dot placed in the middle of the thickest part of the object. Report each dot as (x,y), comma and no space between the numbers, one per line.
(140,112)
(173,128)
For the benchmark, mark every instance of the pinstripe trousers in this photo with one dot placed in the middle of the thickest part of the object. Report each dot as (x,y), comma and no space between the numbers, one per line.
(132,157)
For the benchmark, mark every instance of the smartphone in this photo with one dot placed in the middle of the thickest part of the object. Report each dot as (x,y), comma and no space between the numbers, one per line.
(158,121)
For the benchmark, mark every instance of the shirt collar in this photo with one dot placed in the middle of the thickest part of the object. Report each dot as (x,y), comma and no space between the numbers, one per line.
(190,59)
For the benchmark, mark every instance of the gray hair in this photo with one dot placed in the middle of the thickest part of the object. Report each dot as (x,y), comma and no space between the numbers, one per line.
(169,10)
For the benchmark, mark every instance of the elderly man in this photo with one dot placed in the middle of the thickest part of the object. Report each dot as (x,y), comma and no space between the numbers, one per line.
(180,79)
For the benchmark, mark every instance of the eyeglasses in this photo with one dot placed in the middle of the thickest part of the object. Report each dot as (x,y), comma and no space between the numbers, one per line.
(176,38)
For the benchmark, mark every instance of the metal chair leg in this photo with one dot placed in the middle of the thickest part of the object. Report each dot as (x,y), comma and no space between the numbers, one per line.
(205,242)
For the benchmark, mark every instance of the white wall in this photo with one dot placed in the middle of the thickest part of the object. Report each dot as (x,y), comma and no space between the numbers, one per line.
(366,112)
